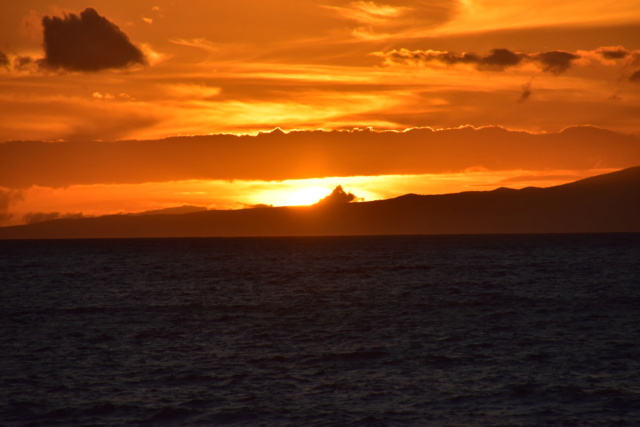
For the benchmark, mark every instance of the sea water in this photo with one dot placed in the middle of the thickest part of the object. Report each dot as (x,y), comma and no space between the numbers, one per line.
(525,330)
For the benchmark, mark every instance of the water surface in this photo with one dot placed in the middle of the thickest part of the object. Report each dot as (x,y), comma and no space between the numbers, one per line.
(408,330)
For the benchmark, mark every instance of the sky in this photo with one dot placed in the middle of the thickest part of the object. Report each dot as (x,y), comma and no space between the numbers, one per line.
(264,78)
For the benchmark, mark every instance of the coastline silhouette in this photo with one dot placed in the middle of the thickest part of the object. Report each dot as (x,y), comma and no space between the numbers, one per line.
(604,203)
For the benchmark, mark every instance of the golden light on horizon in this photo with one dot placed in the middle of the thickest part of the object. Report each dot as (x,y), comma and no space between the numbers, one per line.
(109,199)
(306,196)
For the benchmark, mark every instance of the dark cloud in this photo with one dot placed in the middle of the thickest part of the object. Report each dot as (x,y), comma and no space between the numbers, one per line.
(450,58)
(87,42)
(4,60)
(33,217)
(617,52)
(635,77)
(526,92)
(497,60)
(24,63)
(556,61)
(338,195)
(309,154)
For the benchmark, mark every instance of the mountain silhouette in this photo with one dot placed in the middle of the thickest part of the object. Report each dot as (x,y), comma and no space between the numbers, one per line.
(604,203)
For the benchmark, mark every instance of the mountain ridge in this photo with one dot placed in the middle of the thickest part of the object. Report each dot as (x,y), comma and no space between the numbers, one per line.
(604,203)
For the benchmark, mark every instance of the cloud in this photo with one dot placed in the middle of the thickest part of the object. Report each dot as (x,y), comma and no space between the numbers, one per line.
(635,77)
(480,17)
(526,92)
(95,116)
(338,196)
(396,14)
(497,60)
(612,52)
(4,60)
(33,217)
(556,61)
(309,154)
(199,43)
(192,91)
(87,42)
(423,56)
(8,198)
(368,12)
(25,63)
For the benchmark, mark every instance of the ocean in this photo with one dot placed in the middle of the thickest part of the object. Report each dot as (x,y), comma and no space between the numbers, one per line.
(484,330)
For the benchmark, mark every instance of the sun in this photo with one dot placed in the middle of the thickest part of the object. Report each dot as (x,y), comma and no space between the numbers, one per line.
(306,196)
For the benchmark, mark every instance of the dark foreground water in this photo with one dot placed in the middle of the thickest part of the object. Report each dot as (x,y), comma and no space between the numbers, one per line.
(371,331)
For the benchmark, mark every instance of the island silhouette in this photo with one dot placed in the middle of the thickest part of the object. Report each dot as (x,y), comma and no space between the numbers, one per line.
(604,203)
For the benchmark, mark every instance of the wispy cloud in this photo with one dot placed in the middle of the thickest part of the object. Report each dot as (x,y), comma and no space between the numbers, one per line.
(199,43)
(475,16)
(375,20)
(192,91)
(371,13)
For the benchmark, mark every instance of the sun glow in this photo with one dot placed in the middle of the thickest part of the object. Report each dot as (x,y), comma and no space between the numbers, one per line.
(307,196)
(109,199)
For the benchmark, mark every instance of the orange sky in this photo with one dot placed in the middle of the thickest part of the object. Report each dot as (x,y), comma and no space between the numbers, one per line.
(147,70)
